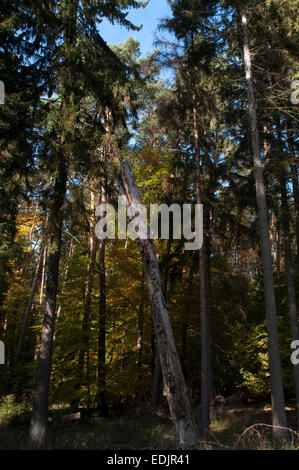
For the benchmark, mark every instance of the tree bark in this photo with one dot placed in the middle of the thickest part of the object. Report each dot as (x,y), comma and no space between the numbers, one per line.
(38,423)
(65,274)
(278,404)
(175,387)
(139,341)
(41,296)
(101,392)
(294,177)
(157,382)
(286,216)
(92,248)
(204,307)
(29,305)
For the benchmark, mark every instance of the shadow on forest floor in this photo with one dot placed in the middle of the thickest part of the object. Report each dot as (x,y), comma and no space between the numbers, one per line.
(139,428)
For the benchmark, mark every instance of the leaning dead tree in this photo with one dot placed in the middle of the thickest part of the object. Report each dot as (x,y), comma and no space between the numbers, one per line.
(174,382)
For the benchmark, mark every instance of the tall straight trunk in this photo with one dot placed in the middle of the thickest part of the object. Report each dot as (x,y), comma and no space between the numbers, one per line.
(139,341)
(157,382)
(286,216)
(38,423)
(29,305)
(278,250)
(92,248)
(101,392)
(185,318)
(43,277)
(41,294)
(275,242)
(294,177)
(209,303)
(204,313)
(65,274)
(174,382)
(41,297)
(278,404)
(184,327)
(89,284)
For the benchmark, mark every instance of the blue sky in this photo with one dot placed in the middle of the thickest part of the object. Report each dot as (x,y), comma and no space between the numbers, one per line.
(148,17)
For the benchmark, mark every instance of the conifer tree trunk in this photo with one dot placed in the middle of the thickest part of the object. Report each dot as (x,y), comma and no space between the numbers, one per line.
(65,274)
(184,324)
(139,341)
(174,383)
(38,423)
(204,312)
(41,294)
(278,250)
(101,393)
(278,404)
(89,284)
(92,248)
(294,176)
(286,216)
(30,302)
(157,382)
(41,298)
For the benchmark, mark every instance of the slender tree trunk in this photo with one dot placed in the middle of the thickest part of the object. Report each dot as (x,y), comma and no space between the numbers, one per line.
(101,393)
(65,274)
(278,404)
(29,305)
(278,250)
(174,383)
(286,216)
(139,341)
(38,424)
(207,236)
(294,177)
(89,284)
(204,313)
(157,382)
(184,319)
(92,248)
(41,297)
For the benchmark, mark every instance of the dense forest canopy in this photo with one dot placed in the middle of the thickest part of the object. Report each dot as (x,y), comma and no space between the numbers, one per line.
(94,325)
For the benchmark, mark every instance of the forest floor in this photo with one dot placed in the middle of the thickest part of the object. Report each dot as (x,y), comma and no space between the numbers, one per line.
(137,428)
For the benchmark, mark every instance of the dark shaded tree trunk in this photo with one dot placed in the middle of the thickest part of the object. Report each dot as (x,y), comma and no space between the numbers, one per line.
(278,404)
(278,250)
(157,382)
(64,278)
(38,423)
(204,306)
(101,392)
(139,341)
(294,177)
(29,305)
(84,351)
(174,383)
(38,319)
(286,217)
(42,283)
